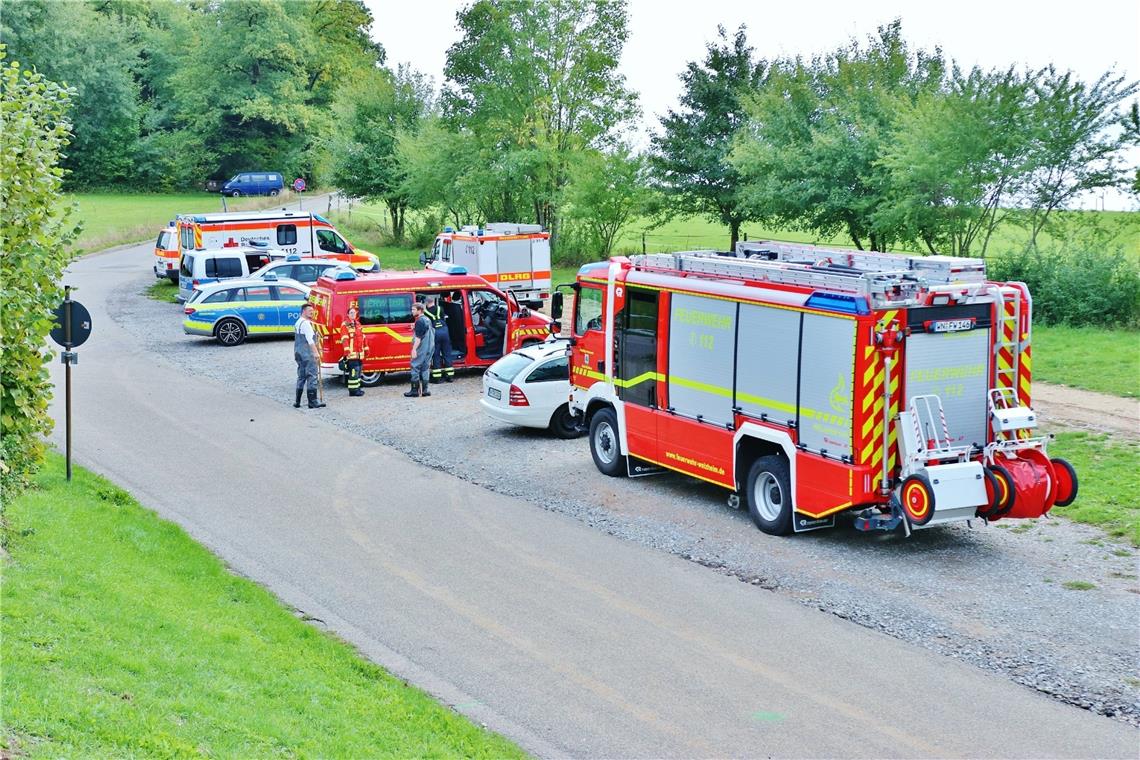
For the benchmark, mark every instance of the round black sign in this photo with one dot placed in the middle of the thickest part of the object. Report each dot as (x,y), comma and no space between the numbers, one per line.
(80,325)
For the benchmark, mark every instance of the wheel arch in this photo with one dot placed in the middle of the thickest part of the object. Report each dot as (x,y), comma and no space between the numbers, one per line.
(753,441)
(224,317)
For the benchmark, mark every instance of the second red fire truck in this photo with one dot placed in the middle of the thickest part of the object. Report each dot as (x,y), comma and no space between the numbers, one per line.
(811,381)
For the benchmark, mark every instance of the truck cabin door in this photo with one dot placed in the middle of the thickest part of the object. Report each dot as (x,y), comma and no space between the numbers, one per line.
(387,322)
(588,356)
(635,368)
(489,321)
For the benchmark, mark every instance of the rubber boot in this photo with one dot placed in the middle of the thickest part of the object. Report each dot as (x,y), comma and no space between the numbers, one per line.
(415,391)
(356,392)
(424,390)
(297,402)
(314,402)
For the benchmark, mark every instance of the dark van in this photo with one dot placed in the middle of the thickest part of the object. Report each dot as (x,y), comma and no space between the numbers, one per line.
(254,183)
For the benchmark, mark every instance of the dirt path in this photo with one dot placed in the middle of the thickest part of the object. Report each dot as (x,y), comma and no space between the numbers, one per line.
(1088,410)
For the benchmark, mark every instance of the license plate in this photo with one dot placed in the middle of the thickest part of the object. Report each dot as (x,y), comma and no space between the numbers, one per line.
(952,325)
(494,393)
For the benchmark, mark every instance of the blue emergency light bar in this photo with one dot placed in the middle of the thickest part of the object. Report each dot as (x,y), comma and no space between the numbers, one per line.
(837,302)
(293,257)
(346,274)
(445,268)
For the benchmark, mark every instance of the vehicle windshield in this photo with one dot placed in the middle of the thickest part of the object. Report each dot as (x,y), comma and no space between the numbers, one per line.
(509,367)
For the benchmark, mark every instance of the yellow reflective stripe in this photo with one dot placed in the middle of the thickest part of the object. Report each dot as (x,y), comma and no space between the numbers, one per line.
(716,390)
(761,401)
(373,329)
(270,328)
(638,380)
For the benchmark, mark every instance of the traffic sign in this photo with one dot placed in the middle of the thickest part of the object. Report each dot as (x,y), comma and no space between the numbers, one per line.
(299,185)
(80,324)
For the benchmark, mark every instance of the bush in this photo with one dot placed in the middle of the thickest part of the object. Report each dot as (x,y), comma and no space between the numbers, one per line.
(1078,287)
(34,248)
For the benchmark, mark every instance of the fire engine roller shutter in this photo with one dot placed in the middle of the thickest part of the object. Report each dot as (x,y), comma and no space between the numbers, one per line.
(514,256)
(955,367)
(767,353)
(827,370)
(702,334)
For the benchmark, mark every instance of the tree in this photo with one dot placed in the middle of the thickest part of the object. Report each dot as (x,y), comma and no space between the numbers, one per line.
(534,84)
(690,156)
(1079,136)
(606,192)
(440,169)
(94,55)
(35,233)
(809,150)
(373,114)
(956,156)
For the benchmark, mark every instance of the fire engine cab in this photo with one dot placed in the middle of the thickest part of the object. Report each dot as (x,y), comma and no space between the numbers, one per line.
(289,232)
(814,381)
(515,257)
(483,322)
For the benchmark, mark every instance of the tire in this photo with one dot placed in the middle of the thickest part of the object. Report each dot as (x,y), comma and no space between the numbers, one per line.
(917,496)
(272,193)
(562,423)
(993,493)
(370,379)
(1008,491)
(235,193)
(768,491)
(604,445)
(230,332)
(1067,482)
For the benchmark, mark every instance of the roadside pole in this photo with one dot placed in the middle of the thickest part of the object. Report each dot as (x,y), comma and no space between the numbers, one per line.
(72,328)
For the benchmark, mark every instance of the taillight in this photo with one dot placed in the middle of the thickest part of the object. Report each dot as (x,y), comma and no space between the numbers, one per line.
(189,310)
(518,398)
(194,283)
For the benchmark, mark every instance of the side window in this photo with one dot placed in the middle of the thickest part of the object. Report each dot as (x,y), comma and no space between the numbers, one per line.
(220,297)
(447,250)
(187,238)
(588,310)
(211,267)
(386,309)
(285,293)
(304,273)
(286,234)
(227,267)
(260,178)
(329,241)
(233,294)
(558,369)
(258,293)
(161,242)
(187,269)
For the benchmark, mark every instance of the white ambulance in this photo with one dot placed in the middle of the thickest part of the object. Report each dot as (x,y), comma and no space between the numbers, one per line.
(281,231)
(514,257)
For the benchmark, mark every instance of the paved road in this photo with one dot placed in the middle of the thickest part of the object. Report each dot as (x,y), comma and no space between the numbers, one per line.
(570,641)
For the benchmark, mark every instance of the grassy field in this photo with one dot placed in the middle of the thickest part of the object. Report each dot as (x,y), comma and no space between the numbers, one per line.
(1109,481)
(110,219)
(122,637)
(1099,360)
(163,290)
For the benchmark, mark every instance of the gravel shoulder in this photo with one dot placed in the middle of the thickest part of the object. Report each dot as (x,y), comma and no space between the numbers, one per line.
(992,596)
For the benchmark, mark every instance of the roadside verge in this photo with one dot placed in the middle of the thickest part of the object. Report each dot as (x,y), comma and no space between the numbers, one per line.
(121,635)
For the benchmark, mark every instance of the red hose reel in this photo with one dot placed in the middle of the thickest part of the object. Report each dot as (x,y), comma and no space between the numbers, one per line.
(1027,484)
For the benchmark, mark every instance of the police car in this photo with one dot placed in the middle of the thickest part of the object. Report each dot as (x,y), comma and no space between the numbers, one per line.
(531,387)
(232,310)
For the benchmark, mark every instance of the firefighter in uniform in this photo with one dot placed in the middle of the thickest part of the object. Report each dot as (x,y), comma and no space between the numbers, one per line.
(441,368)
(352,342)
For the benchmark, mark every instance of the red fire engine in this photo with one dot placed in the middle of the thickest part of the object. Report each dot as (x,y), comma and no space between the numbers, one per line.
(814,381)
(484,323)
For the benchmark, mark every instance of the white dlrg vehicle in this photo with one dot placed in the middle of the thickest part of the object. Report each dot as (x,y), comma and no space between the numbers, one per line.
(531,387)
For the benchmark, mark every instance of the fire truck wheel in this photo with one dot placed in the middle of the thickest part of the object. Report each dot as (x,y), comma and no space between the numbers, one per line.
(1006,492)
(230,332)
(769,493)
(918,499)
(604,446)
(1067,483)
(563,424)
(370,379)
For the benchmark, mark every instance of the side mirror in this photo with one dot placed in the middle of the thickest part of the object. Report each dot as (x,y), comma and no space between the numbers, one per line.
(423,258)
(556,305)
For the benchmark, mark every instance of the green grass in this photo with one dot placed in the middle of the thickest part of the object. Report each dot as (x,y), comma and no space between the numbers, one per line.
(163,290)
(1108,471)
(1079,585)
(110,219)
(1098,360)
(123,637)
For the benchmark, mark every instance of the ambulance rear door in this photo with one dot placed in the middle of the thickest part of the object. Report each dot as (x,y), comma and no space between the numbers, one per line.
(513,263)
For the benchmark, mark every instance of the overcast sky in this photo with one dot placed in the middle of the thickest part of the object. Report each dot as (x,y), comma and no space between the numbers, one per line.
(1088,38)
